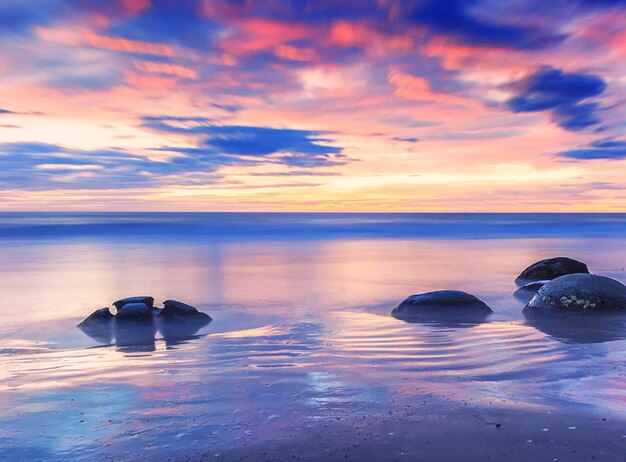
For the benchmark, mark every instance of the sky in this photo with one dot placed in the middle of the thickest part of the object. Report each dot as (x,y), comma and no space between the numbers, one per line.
(313,105)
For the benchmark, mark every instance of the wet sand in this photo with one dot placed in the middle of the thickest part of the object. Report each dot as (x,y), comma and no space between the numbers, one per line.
(435,432)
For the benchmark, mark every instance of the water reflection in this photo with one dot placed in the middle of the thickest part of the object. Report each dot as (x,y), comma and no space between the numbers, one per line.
(451,320)
(140,334)
(581,329)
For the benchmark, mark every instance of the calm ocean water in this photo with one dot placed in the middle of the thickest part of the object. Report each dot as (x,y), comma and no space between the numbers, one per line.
(301,332)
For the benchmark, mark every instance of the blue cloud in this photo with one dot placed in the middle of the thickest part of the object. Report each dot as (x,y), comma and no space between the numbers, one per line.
(599,149)
(32,165)
(562,94)
(302,148)
(453,18)
(405,139)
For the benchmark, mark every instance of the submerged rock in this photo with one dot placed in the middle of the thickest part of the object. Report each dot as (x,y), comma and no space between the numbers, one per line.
(528,291)
(551,268)
(579,294)
(134,311)
(146,300)
(98,317)
(174,308)
(441,302)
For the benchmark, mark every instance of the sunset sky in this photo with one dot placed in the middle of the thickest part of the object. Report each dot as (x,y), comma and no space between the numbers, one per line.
(319,105)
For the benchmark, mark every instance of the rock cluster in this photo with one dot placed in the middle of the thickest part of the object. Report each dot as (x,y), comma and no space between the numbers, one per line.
(550,287)
(142,309)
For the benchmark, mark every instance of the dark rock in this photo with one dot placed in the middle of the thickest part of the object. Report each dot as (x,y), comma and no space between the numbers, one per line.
(134,311)
(174,308)
(148,301)
(440,301)
(99,326)
(443,308)
(579,294)
(98,317)
(528,291)
(551,268)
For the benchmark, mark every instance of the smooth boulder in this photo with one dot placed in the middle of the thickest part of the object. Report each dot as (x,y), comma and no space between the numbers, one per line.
(174,308)
(134,311)
(441,302)
(584,294)
(551,268)
(528,291)
(146,300)
(98,317)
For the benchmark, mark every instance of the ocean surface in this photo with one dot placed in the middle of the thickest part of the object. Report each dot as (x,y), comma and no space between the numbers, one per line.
(301,333)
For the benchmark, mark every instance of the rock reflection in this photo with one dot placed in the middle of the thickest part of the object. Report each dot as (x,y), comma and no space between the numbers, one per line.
(176,331)
(101,332)
(451,320)
(580,329)
(135,335)
(140,334)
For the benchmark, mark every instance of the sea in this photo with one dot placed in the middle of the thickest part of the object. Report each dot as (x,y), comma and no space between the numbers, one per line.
(301,334)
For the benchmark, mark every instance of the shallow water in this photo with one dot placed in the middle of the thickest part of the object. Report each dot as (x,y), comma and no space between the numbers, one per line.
(301,332)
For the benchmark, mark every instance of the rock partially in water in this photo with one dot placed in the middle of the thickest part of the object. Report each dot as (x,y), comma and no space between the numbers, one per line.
(584,294)
(146,300)
(528,291)
(99,325)
(454,304)
(551,268)
(176,309)
(134,311)
(98,317)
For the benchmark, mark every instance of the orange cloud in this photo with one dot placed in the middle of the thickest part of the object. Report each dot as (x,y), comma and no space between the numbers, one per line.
(295,54)
(417,88)
(87,37)
(346,33)
(255,35)
(135,6)
(166,68)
